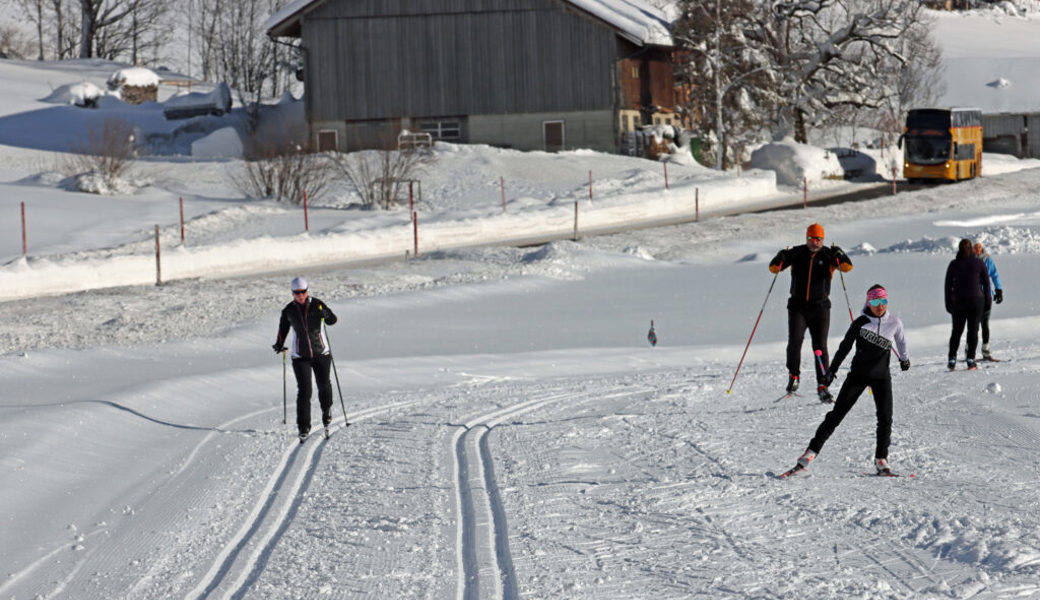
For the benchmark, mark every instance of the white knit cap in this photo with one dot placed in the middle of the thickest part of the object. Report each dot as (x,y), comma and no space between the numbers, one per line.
(298,283)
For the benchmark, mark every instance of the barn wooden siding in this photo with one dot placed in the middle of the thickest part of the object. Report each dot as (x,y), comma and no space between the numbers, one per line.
(385,59)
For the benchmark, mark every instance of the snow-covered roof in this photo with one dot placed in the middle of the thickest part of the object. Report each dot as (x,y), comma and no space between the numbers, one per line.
(636,20)
(133,76)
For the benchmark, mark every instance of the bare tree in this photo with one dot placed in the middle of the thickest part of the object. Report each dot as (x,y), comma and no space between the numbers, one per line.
(285,174)
(140,36)
(233,47)
(107,153)
(380,176)
(34,11)
(14,43)
(109,27)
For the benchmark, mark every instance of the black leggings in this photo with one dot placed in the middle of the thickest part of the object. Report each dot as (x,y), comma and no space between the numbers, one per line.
(817,319)
(847,397)
(967,313)
(302,368)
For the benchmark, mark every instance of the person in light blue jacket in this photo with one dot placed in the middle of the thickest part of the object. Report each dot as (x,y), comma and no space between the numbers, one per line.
(998,296)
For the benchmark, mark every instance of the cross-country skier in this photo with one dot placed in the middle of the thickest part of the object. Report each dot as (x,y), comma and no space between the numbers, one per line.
(998,296)
(812,267)
(968,297)
(310,352)
(873,333)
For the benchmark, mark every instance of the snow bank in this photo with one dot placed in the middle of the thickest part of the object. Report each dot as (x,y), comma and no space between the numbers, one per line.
(222,143)
(83,93)
(793,161)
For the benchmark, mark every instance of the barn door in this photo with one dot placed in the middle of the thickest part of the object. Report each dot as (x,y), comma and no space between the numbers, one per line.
(553,135)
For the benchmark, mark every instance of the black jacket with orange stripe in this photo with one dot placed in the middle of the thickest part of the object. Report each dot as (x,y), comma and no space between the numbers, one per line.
(811,273)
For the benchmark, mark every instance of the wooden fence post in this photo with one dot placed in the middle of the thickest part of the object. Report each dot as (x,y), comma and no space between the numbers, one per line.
(158,258)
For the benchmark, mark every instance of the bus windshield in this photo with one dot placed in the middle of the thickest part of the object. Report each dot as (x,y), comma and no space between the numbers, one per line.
(928,149)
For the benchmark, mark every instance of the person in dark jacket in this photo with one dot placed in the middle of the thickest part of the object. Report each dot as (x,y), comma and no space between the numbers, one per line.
(874,332)
(967,295)
(998,296)
(809,307)
(310,352)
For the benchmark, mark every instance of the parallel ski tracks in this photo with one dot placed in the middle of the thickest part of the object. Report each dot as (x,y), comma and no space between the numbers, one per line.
(483,558)
(244,556)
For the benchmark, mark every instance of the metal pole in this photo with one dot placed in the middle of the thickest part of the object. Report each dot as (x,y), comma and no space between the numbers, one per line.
(24,253)
(502,182)
(741,363)
(306,219)
(285,410)
(342,405)
(697,204)
(182,220)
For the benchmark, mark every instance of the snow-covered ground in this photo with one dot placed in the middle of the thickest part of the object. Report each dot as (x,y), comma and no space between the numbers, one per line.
(513,433)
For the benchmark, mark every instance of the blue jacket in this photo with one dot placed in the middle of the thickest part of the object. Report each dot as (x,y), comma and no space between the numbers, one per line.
(991,267)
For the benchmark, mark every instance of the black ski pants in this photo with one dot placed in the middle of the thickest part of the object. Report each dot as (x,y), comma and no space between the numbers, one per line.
(850,392)
(817,319)
(966,313)
(984,326)
(302,368)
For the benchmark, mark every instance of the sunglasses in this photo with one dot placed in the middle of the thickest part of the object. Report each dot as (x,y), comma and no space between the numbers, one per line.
(812,237)
(879,302)
(297,292)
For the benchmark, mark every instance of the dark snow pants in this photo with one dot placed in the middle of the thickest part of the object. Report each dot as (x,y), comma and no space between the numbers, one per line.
(984,326)
(847,397)
(966,313)
(817,319)
(302,368)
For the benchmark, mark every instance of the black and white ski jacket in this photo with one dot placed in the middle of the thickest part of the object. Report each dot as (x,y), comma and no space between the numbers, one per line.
(305,321)
(873,337)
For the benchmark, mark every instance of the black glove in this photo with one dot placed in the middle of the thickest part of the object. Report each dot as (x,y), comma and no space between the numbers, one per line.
(278,347)
(998,296)
(839,254)
(904,364)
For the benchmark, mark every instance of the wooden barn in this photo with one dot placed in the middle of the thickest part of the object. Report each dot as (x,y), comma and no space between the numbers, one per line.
(525,74)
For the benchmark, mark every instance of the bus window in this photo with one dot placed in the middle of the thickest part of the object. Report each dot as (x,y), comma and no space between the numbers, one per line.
(928,149)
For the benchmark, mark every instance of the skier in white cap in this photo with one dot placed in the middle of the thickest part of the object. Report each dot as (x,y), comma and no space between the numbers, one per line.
(310,352)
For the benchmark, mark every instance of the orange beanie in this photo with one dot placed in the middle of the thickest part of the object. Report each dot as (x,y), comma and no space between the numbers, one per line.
(814,230)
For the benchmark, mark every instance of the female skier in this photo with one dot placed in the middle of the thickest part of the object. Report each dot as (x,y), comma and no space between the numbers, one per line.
(873,332)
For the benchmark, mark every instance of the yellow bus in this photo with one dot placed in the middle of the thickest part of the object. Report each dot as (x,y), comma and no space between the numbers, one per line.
(943,144)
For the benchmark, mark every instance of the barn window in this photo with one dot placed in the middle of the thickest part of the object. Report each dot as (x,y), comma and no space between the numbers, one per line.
(443,129)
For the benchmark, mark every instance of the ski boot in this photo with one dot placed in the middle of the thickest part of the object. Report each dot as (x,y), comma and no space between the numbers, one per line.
(986,354)
(971,365)
(825,396)
(303,435)
(951,364)
(882,467)
(792,384)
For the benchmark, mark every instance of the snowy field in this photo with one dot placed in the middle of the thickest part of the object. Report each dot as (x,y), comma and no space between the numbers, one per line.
(513,433)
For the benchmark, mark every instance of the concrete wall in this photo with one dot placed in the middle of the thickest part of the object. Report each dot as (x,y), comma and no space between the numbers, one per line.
(586,129)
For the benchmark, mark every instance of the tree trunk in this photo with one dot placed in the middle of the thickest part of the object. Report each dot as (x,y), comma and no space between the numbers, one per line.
(88,23)
(800,134)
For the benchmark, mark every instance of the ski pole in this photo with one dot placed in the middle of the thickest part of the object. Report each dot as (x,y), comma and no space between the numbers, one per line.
(819,359)
(285,411)
(844,289)
(741,363)
(346,422)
